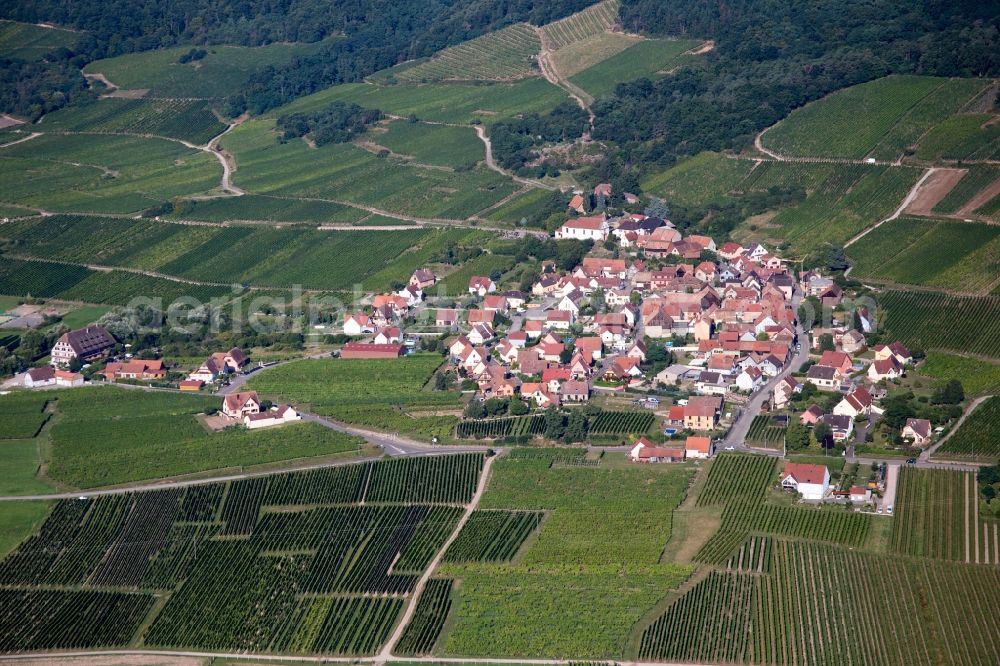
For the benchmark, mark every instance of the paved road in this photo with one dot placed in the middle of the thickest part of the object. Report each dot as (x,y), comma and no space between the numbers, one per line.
(736,437)
(891,478)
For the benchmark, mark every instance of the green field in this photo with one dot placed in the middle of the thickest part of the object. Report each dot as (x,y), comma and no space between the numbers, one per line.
(577,590)
(256,254)
(18,520)
(25,41)
(270,209)
(936,253)
(20,461)
(977,376)
(700,180)
(187,119)
(223,71)
(348,173)
(388,395)
(881,118)
(497,56)
(76,283)
(440,145)
(103,173)
(978,438)
(249,565)
(81,317)
(95,439)
(587,52)
(651,59)
(591,21)
(967,136)
(939,321)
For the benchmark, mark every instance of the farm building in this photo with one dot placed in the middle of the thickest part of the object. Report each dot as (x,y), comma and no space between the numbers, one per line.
(86,344)
(135,369)
(810,481)
(645,451)
(368,350)
(699,447)
(238,405)
(278,416)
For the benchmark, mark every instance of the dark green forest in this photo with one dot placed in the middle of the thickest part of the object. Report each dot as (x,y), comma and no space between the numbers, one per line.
(772,56)
(378,34)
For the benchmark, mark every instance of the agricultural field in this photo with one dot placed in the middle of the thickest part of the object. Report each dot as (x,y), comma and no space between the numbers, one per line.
(428,620)
(700,180)
(80,317)
(880,118)
(978,178)
(937,516)
(441,102)
(949,254)
(493,536)
(380,394)
(977,376)
(345,173)
(26,41)
(521,206)
(591,21)
(765,433)
(93,440)
(815,602)
(252,207)
(620,423)
(587,52)
(103,173)
(516,427)
(978,438)
(942,322)
(962,137)
(440,145)
(259,255)
(581,584)
(651,58)
(223,71)
(23,414)
(185,119)
(503,55)
(282,587)
(21,462)
(733,477)
(18,520)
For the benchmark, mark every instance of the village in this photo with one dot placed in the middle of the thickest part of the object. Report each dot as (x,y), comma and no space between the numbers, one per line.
(706,338)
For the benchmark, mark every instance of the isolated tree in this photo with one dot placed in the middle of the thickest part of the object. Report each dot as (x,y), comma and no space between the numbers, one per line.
(826,343)
(517,407)
(796,436)
(475,409)
(576,427)
(949,393)
(824,434)
(553,423)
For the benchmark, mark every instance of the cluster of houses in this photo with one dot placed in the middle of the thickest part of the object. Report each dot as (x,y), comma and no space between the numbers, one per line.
(837,371)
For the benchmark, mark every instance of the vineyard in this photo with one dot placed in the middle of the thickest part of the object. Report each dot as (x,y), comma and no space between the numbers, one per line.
(26,41)
(23,415)
(263,256)
(578,27)
(765,433)
(94,444)
(978,438)
(937,516)
(498,56)
(946,253)
(493,536)
(880,118)
(428,620)
(373,393)
(967,136)
(977,377)
(734,477)
(817,601)
(189,120)
(939,321)
(979,177)
(620,423)
(285,585)
(517,426)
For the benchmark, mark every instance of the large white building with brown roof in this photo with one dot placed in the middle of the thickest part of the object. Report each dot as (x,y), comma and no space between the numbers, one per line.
(87,344)
(584,228)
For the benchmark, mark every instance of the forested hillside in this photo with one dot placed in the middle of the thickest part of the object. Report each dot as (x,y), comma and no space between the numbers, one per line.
(772,56)
(377,34)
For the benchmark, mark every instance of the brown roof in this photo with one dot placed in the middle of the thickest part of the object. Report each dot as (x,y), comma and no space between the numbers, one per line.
(89,340)
(592,223)
(42,374)
(235,401)
(700,444)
